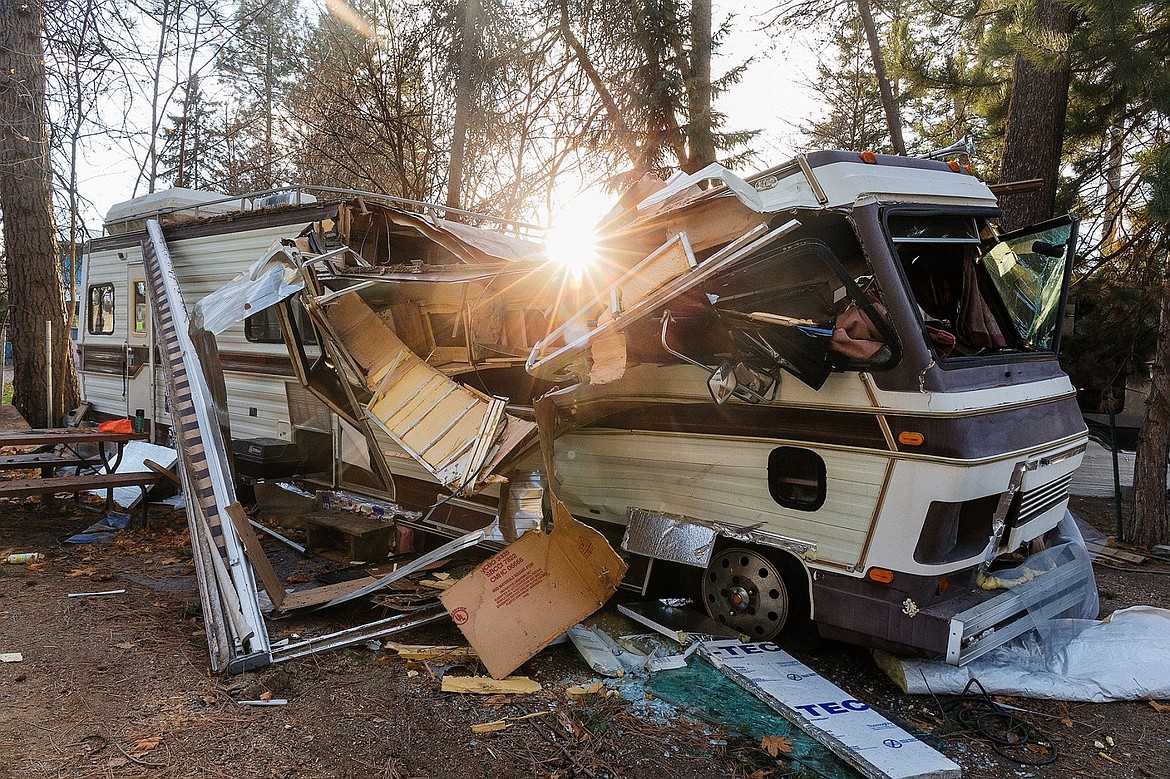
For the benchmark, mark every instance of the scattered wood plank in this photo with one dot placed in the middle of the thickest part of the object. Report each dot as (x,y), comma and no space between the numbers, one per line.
(427,652)
(484,685)
(255,552)
(505,723)
(163,471)
(1116,555)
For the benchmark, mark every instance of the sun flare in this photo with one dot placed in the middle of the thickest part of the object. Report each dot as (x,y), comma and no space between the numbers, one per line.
(571,240)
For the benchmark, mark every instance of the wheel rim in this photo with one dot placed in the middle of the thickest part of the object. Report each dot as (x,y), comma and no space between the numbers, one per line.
(744,590)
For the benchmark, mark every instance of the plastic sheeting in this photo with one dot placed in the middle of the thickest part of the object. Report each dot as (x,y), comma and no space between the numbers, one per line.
(1122,657)
(134,457)
(1067,547)
(1074,659)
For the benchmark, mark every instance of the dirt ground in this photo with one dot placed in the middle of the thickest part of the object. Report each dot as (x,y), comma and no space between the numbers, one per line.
(118,686)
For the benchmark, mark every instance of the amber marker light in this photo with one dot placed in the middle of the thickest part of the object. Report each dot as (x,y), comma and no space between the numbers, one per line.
(868,157)
(955,166)
(910,438)
(880,575)
(943,585)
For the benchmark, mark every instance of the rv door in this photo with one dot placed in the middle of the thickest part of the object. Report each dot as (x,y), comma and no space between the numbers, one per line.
(138,378)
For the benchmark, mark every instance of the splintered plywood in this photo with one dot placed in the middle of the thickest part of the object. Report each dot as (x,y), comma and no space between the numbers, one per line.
(454,432)
(368,341)
(665,265)
(619,306)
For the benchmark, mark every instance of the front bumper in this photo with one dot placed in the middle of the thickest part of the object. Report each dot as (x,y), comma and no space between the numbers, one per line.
(1055,582)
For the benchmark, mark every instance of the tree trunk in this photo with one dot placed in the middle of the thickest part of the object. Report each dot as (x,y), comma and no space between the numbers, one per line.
(35,288)
(700,124)
(893,117)
(611,107)
(1035,126)
(468,43)
(1148,522)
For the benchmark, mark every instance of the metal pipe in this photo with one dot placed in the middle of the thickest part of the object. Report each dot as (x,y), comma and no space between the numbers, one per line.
(355,635)
(286,541)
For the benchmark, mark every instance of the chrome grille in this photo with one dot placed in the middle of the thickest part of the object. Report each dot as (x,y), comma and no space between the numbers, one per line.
(1035,502)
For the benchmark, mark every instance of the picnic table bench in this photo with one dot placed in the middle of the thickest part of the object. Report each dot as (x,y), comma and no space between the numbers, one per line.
(46,461)
(69,453)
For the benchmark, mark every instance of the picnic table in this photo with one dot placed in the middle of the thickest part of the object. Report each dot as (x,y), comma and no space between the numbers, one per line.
(95,469)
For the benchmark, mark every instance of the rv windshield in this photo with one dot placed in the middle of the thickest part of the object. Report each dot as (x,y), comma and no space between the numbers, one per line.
(979,293)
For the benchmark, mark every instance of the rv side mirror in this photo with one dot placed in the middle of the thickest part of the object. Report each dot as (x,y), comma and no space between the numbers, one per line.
(1048,249)
(722,383)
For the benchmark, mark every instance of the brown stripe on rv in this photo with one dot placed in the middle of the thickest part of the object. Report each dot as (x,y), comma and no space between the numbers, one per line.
(111,359)
(989,434)
(965,438)
(796,424)
(248,362)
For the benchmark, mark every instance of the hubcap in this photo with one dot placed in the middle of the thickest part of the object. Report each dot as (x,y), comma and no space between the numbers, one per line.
(743,590)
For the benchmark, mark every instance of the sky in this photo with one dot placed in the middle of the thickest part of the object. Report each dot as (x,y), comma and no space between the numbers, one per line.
(772,97)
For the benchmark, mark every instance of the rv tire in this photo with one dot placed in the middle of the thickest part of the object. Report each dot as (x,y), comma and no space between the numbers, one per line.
(762,593)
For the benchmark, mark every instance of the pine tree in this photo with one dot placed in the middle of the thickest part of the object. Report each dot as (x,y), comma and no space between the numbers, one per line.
(651,69)
(192,153)
(848,87)
(35,289)
(259,65)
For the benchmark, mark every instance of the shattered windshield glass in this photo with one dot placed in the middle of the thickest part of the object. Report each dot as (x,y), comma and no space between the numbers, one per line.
(1028,273)
(979,294)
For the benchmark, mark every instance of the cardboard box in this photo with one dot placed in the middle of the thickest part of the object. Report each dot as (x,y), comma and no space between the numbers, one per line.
(519,601)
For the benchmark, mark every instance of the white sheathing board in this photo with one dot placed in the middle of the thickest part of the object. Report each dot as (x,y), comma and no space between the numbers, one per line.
(853,731)
(134,457)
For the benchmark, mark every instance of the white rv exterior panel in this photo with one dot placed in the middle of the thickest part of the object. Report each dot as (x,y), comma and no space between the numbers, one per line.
(106,390)
(601,474)
(918,482)
(257,402)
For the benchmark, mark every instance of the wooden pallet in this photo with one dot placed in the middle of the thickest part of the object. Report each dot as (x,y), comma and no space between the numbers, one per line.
(1114,555)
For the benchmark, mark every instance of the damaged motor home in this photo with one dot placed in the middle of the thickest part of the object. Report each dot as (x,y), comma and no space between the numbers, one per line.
(827,394)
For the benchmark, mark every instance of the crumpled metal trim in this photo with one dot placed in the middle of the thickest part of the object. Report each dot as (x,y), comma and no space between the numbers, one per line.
(691,541)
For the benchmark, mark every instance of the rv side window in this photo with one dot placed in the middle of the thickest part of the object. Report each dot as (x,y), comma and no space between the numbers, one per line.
(264,327)
(141,308)
(796,478)
(101,309)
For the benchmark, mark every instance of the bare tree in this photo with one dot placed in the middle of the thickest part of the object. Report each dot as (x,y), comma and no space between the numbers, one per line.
(470,15)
